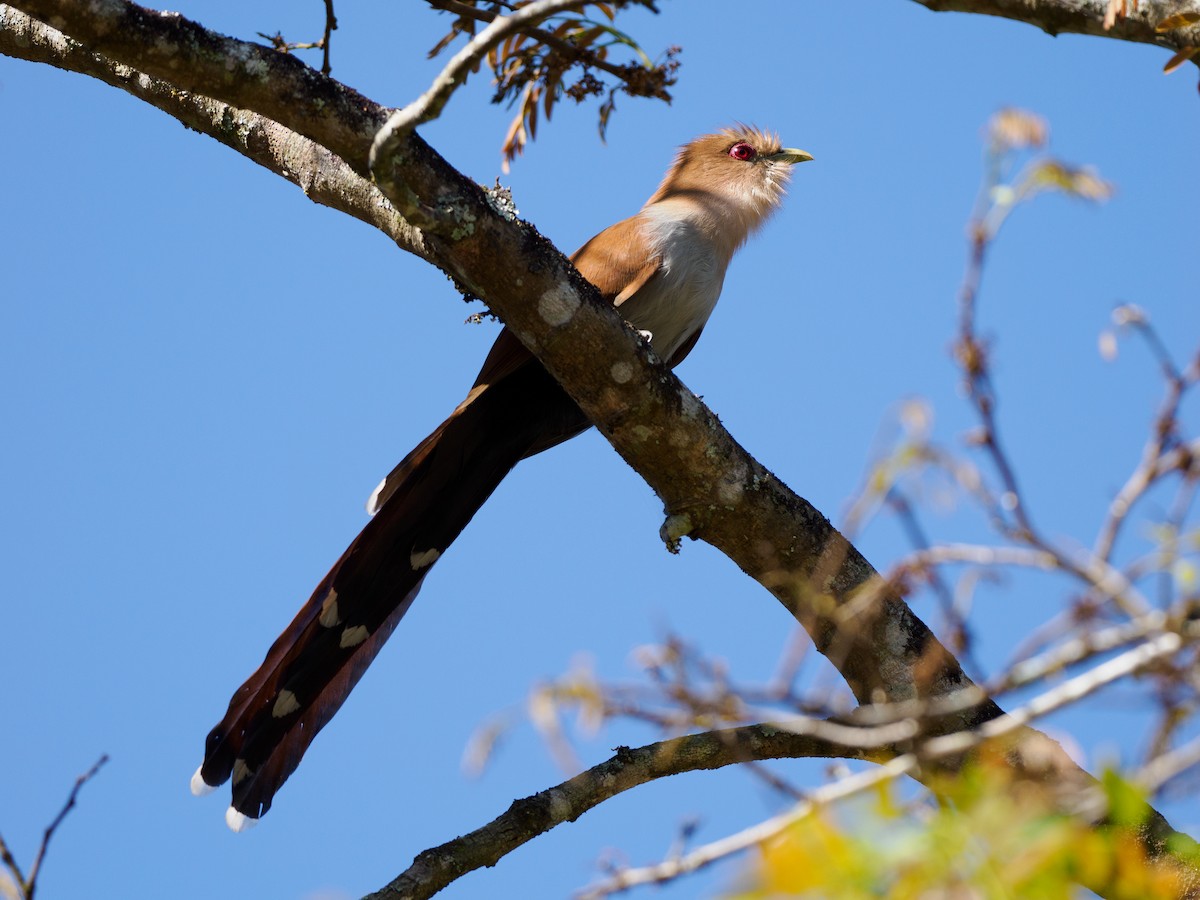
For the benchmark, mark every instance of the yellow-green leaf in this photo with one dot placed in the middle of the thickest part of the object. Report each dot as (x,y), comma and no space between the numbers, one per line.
(1179,59)
(1178,20)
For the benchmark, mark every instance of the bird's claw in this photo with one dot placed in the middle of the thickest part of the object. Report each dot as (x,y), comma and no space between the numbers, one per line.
(676,526)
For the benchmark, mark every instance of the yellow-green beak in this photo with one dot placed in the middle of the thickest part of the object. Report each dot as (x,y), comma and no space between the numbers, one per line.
(790,155)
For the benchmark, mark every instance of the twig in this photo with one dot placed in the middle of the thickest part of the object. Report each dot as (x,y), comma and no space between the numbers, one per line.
(27,885)
(1156,773)
(10,863)
(545,37)
(430,104)
(330,26)
(775,782)
(1078,649)
(1092,571)
(961,639)
(955,744)
(283,45)
(1155,463)
(981,555)
(743,840)
(972,355)
(437,867)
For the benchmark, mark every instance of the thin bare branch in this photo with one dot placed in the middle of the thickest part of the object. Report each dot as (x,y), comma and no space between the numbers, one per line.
(1078,649)
(959,638)
(710,853)
(1162,769)
(26,885)
(83,779)
(981,555)
(330,27)
(540,34)
(950,745)
(17,877)
(1156,461)
(430,104)
(527,818)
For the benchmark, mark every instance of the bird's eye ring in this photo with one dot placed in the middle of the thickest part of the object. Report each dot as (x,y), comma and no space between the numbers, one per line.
(743,151)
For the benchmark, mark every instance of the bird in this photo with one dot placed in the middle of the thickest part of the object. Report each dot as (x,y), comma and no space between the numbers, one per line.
(663,268)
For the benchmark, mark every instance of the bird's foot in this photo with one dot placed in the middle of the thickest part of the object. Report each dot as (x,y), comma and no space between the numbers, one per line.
(673,528)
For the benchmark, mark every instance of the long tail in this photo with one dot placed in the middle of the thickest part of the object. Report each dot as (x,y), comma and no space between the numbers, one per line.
(312,667)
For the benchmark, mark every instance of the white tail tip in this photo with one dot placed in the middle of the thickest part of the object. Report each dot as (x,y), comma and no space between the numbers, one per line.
(373,500)
(200,787)
(237,821)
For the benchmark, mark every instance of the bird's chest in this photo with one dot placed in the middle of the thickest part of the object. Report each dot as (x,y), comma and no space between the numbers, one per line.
(679,300)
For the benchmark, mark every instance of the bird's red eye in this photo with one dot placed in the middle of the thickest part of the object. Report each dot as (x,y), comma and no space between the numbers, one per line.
(743,151)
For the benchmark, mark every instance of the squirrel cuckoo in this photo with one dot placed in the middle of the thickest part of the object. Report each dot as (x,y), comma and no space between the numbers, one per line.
(664,268)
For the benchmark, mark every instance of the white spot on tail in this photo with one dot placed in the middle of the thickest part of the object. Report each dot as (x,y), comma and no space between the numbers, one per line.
(237,821)
(352,637)
(241,771)
(420,560)
(373,500)
(329,610)
(200,787)
(285,704)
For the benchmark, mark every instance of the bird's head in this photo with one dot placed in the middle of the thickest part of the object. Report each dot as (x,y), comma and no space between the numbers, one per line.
(738,175)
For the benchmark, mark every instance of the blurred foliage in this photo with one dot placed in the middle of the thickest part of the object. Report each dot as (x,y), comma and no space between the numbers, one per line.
(987,835)
(1011,135)
(1173,23)
(566,55)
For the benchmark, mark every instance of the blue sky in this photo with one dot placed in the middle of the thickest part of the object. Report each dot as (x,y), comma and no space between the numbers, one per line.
(207,374)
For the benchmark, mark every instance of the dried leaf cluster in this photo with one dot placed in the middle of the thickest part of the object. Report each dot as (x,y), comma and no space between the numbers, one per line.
(566,56)
(1172,23)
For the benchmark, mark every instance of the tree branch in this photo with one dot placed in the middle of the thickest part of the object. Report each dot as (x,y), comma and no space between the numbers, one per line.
(1087,802)
(324,177)
(389,141)
(543,36)
(527,818)
(1138,23)
(890,745)
(182,53)
(26,885)
(429,105)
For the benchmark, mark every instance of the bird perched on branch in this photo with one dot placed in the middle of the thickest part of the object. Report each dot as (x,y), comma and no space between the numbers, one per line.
(663,268)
